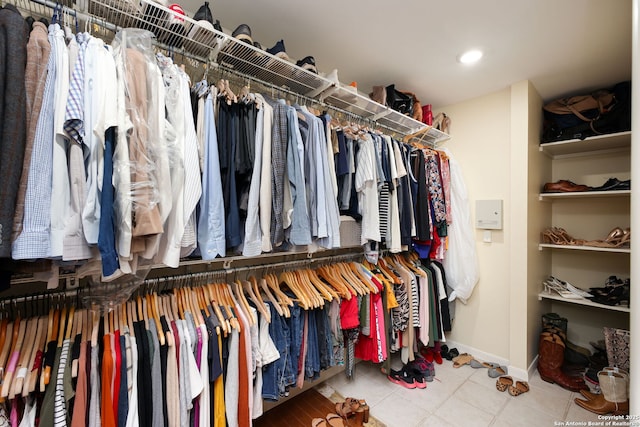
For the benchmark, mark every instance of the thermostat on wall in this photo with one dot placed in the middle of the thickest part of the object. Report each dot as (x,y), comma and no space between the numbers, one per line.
(489,214)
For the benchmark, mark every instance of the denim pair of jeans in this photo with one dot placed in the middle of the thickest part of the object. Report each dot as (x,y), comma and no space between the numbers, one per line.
(312,360)
(325,345)
(277,375)
(296,327)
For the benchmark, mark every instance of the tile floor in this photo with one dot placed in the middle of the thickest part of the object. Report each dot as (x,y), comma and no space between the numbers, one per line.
(458,397)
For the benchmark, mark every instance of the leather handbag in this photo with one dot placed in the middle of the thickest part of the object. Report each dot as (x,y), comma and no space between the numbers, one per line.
(399,101)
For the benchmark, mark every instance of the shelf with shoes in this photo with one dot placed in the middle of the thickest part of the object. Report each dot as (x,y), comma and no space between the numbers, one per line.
(203,47)
(582,301)
(585,194)
(586,188)
(590,146)
(542,246)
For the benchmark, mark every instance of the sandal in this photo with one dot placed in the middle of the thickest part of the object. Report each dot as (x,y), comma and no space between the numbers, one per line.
(344,410)
(359,406)
(519,388)
(463,359)
(478,364)
(497,371)
(503,383)
(318,422)
(335,420)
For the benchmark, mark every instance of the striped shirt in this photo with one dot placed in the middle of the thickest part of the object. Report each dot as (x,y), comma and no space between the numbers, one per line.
(60,408)
(35,241)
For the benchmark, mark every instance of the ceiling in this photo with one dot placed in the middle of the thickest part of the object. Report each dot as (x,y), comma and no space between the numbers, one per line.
(561,46)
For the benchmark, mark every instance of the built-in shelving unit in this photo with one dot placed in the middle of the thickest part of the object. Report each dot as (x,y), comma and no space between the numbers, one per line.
(595,156)
(584,248)
(581,147)
(583,301)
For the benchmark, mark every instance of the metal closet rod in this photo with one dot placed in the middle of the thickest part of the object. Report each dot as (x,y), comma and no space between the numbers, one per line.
(221,69)
(211,64)
(162,280)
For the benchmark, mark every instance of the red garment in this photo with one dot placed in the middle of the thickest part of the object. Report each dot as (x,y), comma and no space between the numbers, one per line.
(349,317)
(107,417)
(117,374)
(372,347)
(435,245)
(244,417)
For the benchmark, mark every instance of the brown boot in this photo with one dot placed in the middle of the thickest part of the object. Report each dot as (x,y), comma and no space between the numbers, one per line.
(590,396)
(614,398)
(550,360)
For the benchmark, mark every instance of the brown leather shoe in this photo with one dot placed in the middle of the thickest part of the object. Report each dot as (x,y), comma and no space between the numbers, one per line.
(564,186)
(601,406)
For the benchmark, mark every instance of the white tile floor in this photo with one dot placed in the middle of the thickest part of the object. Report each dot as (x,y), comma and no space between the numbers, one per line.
(458,397)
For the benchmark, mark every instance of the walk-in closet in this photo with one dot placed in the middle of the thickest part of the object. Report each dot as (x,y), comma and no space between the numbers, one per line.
(234,213)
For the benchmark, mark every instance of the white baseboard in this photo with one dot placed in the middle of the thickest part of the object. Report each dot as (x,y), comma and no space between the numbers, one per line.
(519,373)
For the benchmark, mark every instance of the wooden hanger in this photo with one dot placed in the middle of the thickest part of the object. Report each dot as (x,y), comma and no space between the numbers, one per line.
(349,278)
(317,298)
(240,303)
(384,270)
(283,300)
(131,317)
(19,328)
(319,284)
(80,320)
(274,301)
(142,309)
(39,346)
(251,315)
(16,344)
(286,278)
(4,353)
(26,351)
(329,276)
(363,278)
(255,296)
(3,335)
(231,304)
(153,305)
(215,305)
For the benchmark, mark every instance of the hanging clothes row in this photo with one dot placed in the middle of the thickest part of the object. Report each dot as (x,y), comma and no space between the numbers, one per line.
(126,163)
(209,354)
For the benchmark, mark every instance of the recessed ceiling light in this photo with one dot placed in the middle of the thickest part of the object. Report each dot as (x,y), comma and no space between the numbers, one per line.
(470,57)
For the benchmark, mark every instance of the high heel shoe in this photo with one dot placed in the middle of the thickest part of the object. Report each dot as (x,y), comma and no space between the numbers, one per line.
(446,124)
(614,234)
(437,121)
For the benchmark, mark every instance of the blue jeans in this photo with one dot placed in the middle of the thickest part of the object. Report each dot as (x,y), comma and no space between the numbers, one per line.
(312,361)
(296,327)
(324,337)
(277,375)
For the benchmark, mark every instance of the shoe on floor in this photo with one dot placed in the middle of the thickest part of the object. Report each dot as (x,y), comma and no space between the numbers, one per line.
(402,378)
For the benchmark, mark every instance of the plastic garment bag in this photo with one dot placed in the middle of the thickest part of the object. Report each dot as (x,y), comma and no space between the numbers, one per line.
(461,260)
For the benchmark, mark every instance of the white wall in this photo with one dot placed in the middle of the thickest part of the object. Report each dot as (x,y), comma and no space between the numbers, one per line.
(480,143)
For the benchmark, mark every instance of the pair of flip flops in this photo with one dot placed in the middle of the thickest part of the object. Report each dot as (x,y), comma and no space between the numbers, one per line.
(506,383)
(461,360)
(494,370)
(331,420)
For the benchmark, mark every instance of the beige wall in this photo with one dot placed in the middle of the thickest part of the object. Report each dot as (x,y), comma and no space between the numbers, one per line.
(495,139)
(480,143)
